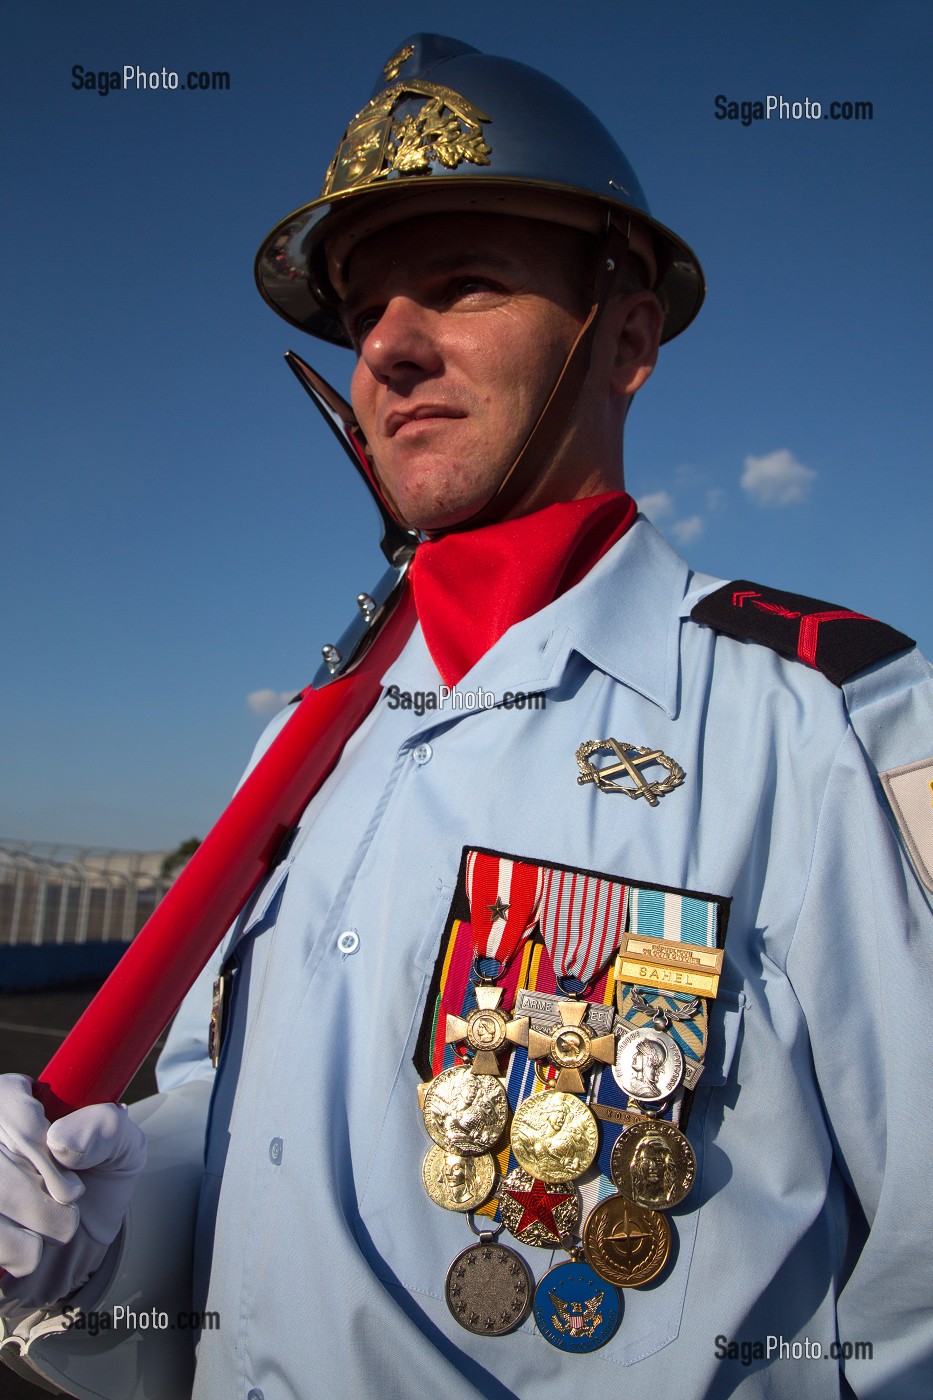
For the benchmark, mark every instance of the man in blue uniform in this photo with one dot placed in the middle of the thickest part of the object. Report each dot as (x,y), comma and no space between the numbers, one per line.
(676,909)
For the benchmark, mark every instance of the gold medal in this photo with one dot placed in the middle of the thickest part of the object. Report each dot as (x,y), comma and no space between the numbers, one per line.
(626,1244)
(652,1164)
(465,1112)
(487,1030)
(457,1182)
(571,1047)
(554,1136)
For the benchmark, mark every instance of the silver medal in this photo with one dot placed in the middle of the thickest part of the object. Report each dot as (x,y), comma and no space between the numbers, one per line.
(649,1064)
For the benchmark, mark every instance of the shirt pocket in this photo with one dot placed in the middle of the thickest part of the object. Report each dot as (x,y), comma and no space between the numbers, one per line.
(408,1240)
(411,1243)
(652,1315)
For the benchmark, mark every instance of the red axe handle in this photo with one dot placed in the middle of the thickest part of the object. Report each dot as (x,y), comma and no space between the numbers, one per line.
(99,1057)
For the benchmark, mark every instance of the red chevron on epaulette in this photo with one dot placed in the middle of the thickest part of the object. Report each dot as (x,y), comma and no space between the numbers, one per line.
(833,640)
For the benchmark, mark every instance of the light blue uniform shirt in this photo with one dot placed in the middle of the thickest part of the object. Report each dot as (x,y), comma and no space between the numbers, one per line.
(810,1219)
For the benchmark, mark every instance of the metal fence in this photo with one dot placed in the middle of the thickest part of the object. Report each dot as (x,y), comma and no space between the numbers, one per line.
(54,894)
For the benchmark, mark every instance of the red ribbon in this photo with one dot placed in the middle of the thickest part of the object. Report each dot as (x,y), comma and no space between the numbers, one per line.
(504,896)
(471,588)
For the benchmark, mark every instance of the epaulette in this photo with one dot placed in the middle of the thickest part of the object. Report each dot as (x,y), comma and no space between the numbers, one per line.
(831,639)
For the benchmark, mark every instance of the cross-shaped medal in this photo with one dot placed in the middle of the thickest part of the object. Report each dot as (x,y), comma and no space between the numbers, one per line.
(571,1047)
(486,1029)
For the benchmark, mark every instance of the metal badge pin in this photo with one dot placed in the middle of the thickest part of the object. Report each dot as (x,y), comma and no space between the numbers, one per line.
(456,1181)
(626,1244)
(486,1030)
(554,1136)
(571,1047)
(630,760)
(652,1164)
(537,1212)
(649,1064)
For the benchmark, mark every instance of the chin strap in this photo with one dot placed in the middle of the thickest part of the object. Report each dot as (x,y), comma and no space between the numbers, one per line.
(398,536)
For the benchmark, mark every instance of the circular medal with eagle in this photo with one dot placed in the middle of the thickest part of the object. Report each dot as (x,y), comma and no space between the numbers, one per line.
(575,1309)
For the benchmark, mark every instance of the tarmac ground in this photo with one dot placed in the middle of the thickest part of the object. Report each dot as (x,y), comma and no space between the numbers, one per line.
(32,1026)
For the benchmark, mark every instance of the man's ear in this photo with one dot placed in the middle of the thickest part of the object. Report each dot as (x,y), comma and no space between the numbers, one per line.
(636,321)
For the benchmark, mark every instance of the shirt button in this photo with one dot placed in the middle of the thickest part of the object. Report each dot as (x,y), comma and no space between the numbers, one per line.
(255,1395)
(275,1156)
(348,942)
(422,754)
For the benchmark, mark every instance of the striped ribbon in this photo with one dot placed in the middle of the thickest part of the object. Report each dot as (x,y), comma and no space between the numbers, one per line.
(682,918)
(504,896)
(689,1035)
(657,914)
(679,918)
(582,921)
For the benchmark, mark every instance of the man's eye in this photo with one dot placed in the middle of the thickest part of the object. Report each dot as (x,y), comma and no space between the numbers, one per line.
(468,286)
(362,325)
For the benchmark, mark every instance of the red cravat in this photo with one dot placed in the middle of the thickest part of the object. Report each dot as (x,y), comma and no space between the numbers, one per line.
(472,587)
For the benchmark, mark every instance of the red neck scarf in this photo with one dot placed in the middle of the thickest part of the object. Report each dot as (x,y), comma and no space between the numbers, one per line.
(472,587)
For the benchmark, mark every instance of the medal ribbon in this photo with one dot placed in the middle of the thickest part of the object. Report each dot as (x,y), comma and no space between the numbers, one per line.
(504,896)
(690,1035)
(679,918)
(656,914)
(582,922)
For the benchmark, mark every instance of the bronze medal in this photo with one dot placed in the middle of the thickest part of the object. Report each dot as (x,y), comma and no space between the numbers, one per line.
(489,1289)
(465,1112)
(626,1244)
(652,1164)
(457,1182)
(554,1136)
(535,1211)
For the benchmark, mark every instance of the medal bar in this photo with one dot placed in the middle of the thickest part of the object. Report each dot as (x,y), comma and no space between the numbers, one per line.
(677,967)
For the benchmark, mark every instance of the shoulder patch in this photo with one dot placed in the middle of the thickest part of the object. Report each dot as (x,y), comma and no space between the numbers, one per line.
(831,639)
(909,789)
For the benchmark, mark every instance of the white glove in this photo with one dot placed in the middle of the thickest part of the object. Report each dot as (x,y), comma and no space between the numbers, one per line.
(64,1189)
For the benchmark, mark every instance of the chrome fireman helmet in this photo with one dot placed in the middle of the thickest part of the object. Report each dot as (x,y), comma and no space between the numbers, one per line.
(450,129)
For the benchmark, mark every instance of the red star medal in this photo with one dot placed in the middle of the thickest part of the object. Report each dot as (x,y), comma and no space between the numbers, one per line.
(536,1212)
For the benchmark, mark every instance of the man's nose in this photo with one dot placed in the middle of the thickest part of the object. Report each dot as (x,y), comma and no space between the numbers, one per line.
(402,343)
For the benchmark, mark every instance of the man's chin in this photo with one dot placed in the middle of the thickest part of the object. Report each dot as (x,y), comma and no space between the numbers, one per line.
(438,520)
(433,513)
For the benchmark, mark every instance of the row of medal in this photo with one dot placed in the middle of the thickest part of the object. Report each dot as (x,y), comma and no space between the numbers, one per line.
(625,1239)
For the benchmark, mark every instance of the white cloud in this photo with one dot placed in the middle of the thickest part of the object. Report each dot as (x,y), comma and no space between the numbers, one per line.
(685,531)
(268,702)
(777,479)
(656,505)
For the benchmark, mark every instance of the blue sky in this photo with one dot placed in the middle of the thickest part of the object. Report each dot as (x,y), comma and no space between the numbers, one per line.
(180,533)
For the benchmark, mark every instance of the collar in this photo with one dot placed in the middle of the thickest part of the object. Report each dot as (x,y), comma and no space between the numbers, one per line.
(624,617)
(471,587)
